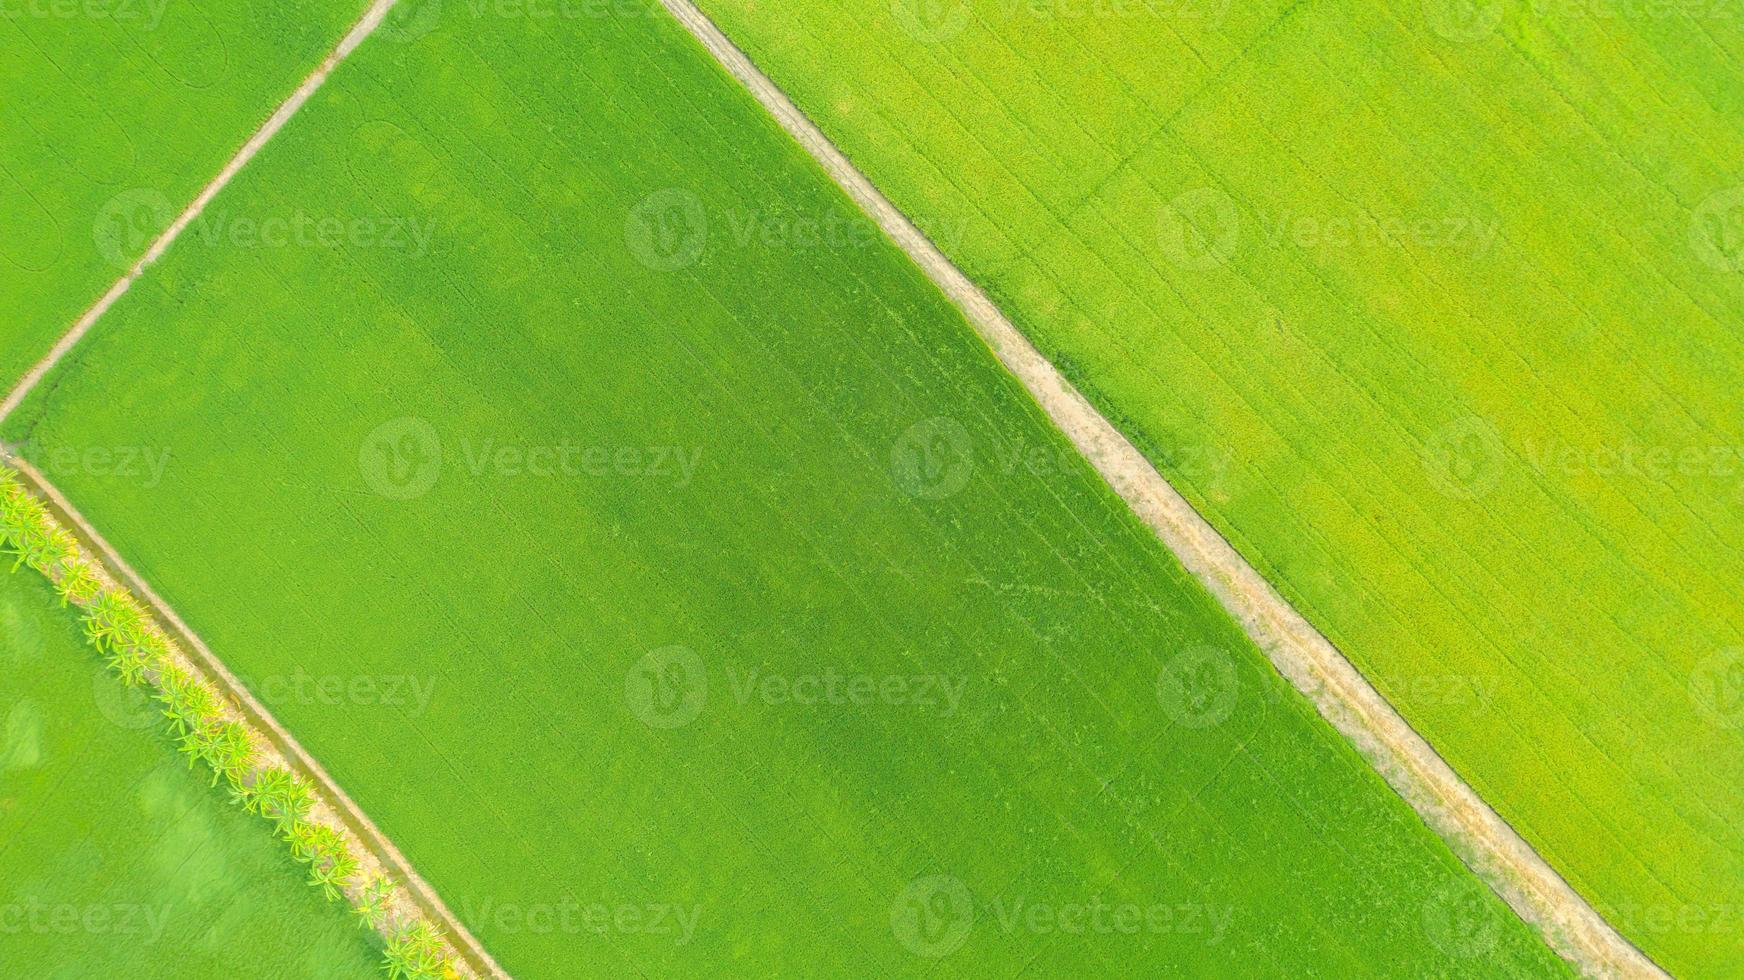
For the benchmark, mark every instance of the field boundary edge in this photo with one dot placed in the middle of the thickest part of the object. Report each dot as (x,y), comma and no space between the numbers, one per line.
(365,26)
(207,667)
(1478,835)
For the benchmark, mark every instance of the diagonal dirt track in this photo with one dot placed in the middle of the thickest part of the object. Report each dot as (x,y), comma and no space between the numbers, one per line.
(365,26)
(279,747)
(1481,838)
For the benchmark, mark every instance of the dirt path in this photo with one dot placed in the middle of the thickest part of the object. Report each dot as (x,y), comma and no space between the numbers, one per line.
(1338,690)
(372,19)
(277,746)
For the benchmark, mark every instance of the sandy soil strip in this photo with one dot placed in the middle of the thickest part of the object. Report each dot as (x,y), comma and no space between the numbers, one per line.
(1343,696)
(277,747)
(365,26)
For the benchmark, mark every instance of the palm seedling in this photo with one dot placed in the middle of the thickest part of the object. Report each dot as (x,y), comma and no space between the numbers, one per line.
(417,952)
(373,901)
(333,864)
(187,700)
(288,800)
(78,583)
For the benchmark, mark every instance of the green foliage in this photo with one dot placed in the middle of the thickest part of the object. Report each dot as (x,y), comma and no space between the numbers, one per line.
(373,902)
(417,952)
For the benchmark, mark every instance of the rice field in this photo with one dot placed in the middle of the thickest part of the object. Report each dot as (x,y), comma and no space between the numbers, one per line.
(670,572)
(1431,309)
(115,114)
(115,859)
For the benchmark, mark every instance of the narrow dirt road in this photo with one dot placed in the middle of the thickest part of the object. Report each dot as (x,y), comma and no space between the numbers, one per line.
(1345,698)
(277,746)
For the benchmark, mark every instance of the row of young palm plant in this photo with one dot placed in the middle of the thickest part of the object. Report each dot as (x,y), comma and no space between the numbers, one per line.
(208,730)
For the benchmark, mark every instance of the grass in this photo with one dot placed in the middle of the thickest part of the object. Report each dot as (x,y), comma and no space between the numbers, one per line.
(667,569)
(115,115)
(1433,318)
(115,860)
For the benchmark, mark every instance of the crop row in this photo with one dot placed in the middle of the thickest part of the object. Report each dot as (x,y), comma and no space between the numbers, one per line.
(210,729)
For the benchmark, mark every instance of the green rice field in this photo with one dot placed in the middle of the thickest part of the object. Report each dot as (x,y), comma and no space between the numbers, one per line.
(115,113)
(115,859)
(1432,309)
(672,575)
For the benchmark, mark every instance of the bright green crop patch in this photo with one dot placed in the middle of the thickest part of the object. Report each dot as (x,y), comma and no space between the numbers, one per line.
(115,859)
(1432,308)
(668,570)
(115,114)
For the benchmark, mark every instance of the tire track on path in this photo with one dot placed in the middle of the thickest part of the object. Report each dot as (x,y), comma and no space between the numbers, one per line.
(1343,696)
